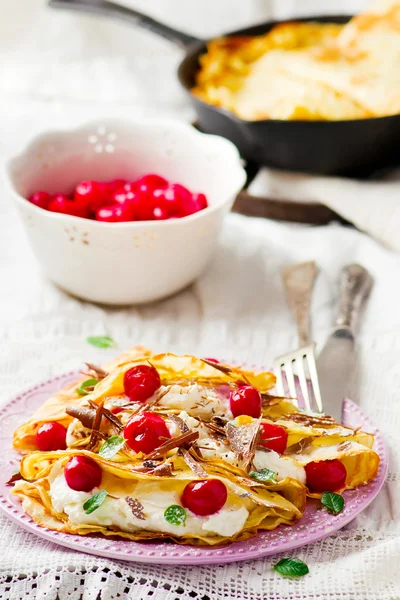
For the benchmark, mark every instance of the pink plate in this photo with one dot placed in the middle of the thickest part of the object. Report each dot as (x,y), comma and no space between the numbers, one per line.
(314,525)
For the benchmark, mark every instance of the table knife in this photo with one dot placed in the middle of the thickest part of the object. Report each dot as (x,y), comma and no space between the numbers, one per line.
(336,360)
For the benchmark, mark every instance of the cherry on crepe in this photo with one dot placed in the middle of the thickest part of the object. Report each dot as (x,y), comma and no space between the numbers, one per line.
(204,498)
(245,400)
(141,382)
(51,436)
(274,437)
(146,432)
(326,475)
(82,473)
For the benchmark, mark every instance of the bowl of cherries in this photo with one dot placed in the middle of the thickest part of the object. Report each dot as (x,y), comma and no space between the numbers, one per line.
(122,213)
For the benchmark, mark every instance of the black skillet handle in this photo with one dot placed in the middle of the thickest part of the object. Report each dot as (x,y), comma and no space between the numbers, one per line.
(110,9)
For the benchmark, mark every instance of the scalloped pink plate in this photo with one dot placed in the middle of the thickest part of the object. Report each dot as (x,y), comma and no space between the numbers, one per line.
(315,524)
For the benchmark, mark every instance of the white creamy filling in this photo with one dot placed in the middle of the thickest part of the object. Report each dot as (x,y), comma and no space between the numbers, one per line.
(196,400)
(116,511)
(212,448)
(283,467)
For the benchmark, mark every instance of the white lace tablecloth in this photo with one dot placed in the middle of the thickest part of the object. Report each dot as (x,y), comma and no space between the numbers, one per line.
(59,70)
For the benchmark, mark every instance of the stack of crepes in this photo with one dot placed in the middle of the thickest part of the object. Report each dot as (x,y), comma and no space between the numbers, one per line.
(309,70)
(163,446)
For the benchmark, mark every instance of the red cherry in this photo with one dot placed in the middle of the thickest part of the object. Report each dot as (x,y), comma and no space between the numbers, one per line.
(144,205)
(274,437)
(118,213)
(178,196)
(167,198)
(204,497)
(145,432)
(141,382)
(326,475)
(117,409)
(121,196)
(51,436)
(196,202)
(113,186)
(82,474)
(91,193)
(62,204)
(40,199)
(160,213)
(246,400)
(149,183)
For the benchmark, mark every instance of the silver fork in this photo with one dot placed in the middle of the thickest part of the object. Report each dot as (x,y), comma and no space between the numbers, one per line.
(298,282)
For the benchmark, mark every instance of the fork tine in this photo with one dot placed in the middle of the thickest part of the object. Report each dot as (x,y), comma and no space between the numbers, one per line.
(288,364)
(312,369)
(280,391)
(302,379)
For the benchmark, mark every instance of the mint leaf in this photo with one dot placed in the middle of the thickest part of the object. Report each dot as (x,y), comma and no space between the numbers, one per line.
(94,502)
(334,503)
(291,567)
(110,447)
(83,389)
(175,515)
(263,475)
(101,341)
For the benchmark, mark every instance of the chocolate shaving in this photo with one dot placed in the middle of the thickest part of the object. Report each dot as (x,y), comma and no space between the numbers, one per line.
(180,423)
(245,495)
(96,427)
(271,399)
(216,429)
(223,368)
(84,414)
(344,445)
(184,440)
(108,415)
(303,444)
(14,478)
(244,440)
(163,470)
(116,421)
(311,419)
(357,429)
(150,464)
(218,420)
(192,463)
(100,373)
(148,404)
(136,507)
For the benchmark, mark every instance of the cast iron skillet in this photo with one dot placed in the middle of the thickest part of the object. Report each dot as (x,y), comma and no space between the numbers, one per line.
(356,147)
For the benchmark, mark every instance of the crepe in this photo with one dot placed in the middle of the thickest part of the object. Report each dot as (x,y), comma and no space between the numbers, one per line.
(136,502)
(308,71)
(54,408)
(200,440)
(172,369)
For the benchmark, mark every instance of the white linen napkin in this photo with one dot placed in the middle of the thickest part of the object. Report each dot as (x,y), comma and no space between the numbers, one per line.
(372,206)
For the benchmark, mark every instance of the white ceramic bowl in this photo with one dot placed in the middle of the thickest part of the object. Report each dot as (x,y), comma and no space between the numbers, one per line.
(124,263)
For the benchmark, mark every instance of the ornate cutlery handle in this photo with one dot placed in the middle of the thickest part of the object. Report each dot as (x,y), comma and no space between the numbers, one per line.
(298,281)
(354,287)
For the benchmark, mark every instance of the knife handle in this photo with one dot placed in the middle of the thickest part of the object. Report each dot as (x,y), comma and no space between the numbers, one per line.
(354,288)
(298,281)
